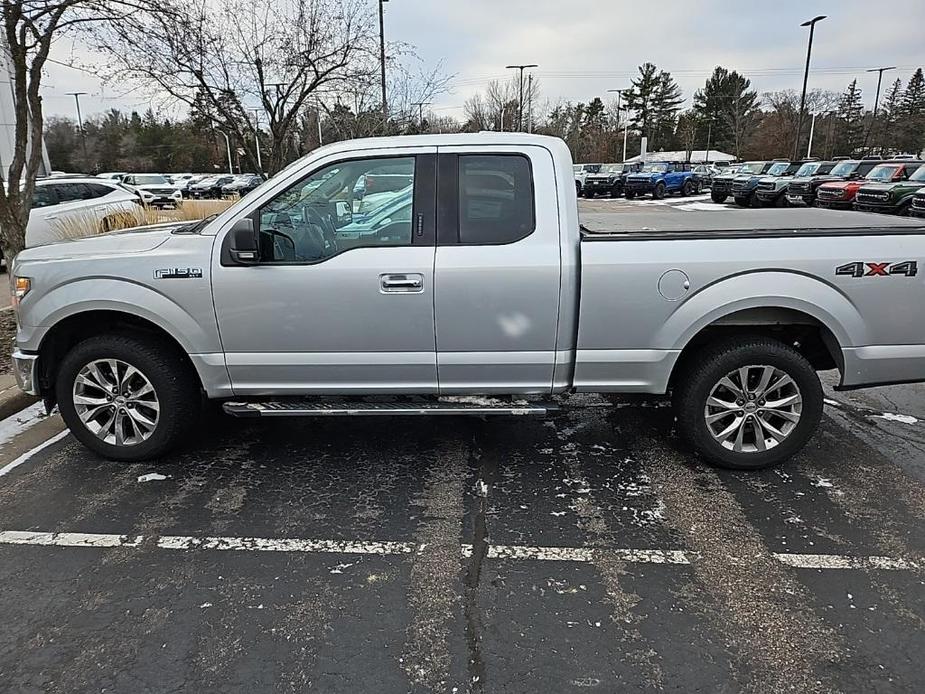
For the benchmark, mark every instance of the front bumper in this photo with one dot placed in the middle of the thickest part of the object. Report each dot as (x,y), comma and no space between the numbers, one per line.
(834,204)
(638,187)
(876,207)
(25,369)
(601,186)
(768,195)
(800,199)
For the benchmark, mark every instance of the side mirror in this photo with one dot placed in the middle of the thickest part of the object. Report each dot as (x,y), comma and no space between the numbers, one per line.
(244,242)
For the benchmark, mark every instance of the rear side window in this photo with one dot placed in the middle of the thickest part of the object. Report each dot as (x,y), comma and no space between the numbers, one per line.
(44,196)
(495,199)
(98,190)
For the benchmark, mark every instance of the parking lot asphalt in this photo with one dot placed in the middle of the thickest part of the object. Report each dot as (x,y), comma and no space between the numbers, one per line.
(588,551)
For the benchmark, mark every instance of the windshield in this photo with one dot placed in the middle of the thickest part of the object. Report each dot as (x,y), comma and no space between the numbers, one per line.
(754,167)
(655,168)
(779,168)
(612,168)
(919,175)
(577,168)
(808,169)
(882,173)
(845,168)
(150,180)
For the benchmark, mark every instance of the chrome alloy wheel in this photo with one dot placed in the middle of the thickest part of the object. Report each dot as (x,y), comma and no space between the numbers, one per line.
(116,402)
(753,409)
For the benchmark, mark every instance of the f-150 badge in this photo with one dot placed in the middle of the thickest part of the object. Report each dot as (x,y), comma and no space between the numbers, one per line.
(907,268)
(178,273)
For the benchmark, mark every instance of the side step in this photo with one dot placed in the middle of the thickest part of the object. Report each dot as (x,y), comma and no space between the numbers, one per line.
(408,406)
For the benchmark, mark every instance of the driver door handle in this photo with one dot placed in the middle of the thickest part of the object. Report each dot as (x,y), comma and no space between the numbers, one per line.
(401,283)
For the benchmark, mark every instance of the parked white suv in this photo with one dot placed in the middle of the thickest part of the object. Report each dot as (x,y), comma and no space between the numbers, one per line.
(155,190)
(64,208)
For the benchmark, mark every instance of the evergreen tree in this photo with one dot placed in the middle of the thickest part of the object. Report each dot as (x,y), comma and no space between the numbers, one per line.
(851,121)
(654,99)
(890,118)
(727,99)
(912,128)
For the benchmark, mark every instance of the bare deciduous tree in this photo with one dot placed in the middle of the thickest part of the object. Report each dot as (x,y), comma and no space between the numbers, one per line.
(239,55)
(29,29)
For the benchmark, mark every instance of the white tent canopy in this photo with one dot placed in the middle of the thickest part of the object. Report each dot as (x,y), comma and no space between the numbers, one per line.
(697,156)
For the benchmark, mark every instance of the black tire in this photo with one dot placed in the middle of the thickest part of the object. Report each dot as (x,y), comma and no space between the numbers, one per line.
(629,195)
(782,201)
(615,192)
(687,188)
(658,193)
(578,189)
(697,381)
(173,379)
(718,198)
(741,202)
(754,201)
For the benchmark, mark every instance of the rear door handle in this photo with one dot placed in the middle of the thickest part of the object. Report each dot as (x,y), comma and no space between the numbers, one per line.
(401,283)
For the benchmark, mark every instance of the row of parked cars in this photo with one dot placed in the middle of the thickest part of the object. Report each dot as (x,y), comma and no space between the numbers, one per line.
(163,190)
(632,179)
(872,184)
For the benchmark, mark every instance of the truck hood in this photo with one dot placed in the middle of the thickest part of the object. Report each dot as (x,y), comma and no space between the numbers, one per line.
(124,241)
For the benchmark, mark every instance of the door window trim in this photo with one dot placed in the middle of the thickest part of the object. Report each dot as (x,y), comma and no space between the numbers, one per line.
(423,208)
(448,190)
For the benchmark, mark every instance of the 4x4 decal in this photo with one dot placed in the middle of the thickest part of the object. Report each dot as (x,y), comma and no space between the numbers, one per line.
(907,268)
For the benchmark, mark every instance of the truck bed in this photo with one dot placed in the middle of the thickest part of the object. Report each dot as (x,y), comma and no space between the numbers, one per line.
(735,223)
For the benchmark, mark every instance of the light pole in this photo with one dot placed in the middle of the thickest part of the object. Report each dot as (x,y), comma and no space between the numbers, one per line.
(257,137)
(873,120)
(385,105)
(228,149)
(520,107)
(619,93)
(80,123)
(709,137)
(809,51)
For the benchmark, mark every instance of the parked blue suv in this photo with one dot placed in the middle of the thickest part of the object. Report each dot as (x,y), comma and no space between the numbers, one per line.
(660,179)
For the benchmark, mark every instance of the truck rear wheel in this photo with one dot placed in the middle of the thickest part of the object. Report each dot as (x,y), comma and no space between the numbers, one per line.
(748,403)
(125,398)
(659,191)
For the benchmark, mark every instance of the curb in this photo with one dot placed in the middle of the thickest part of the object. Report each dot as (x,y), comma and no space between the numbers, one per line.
(12,399)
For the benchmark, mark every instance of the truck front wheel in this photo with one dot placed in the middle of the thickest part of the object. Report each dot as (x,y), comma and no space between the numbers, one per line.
(659,191)
(126,398)
(687,188)
(718,198)
(748,403)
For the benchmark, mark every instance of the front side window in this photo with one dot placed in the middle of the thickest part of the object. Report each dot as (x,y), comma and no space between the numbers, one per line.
(323,215)
(495,199)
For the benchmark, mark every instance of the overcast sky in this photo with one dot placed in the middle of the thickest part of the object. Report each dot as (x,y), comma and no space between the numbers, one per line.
(585,48)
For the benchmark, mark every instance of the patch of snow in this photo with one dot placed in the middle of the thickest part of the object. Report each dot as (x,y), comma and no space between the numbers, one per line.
(823,482)
(17,423)
(893,417)
(152,477)
(833,403)
(205,605)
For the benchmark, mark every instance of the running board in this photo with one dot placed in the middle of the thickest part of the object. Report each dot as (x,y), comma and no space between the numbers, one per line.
(423,406)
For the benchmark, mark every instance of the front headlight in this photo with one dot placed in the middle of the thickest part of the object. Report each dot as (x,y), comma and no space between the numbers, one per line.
(20,287)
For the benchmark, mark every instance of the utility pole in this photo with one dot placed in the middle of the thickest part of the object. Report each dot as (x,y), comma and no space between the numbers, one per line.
(619,93)
(520,108)
(709,137)
(873,120)
(809,51)
(385,104)
(530,103)
(257,136)
(318,118)
(80,124)
(421,105)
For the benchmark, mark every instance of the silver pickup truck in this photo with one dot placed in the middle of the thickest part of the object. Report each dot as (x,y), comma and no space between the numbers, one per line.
(471,290)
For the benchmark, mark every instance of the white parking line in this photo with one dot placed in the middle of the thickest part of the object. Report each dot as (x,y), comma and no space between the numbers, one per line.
(379,548)
(9,467)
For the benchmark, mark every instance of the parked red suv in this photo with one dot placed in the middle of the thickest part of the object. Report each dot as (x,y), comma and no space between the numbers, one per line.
(841,194)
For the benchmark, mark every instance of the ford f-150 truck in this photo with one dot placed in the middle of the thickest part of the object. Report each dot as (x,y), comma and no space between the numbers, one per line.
(477,293)
(661,179)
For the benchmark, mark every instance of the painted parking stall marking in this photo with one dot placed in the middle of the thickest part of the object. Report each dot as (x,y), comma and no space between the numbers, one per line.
(387,548)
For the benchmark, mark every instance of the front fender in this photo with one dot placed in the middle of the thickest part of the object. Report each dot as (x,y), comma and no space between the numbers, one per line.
(191,323)
(764,289)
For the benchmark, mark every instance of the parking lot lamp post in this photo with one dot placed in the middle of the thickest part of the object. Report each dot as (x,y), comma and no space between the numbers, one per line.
(228,149)
(873,119)
(809,51)
(520,106)
(80,123)
(619,93)
(812,131)
(385,105)
(257,137)
(709,137)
